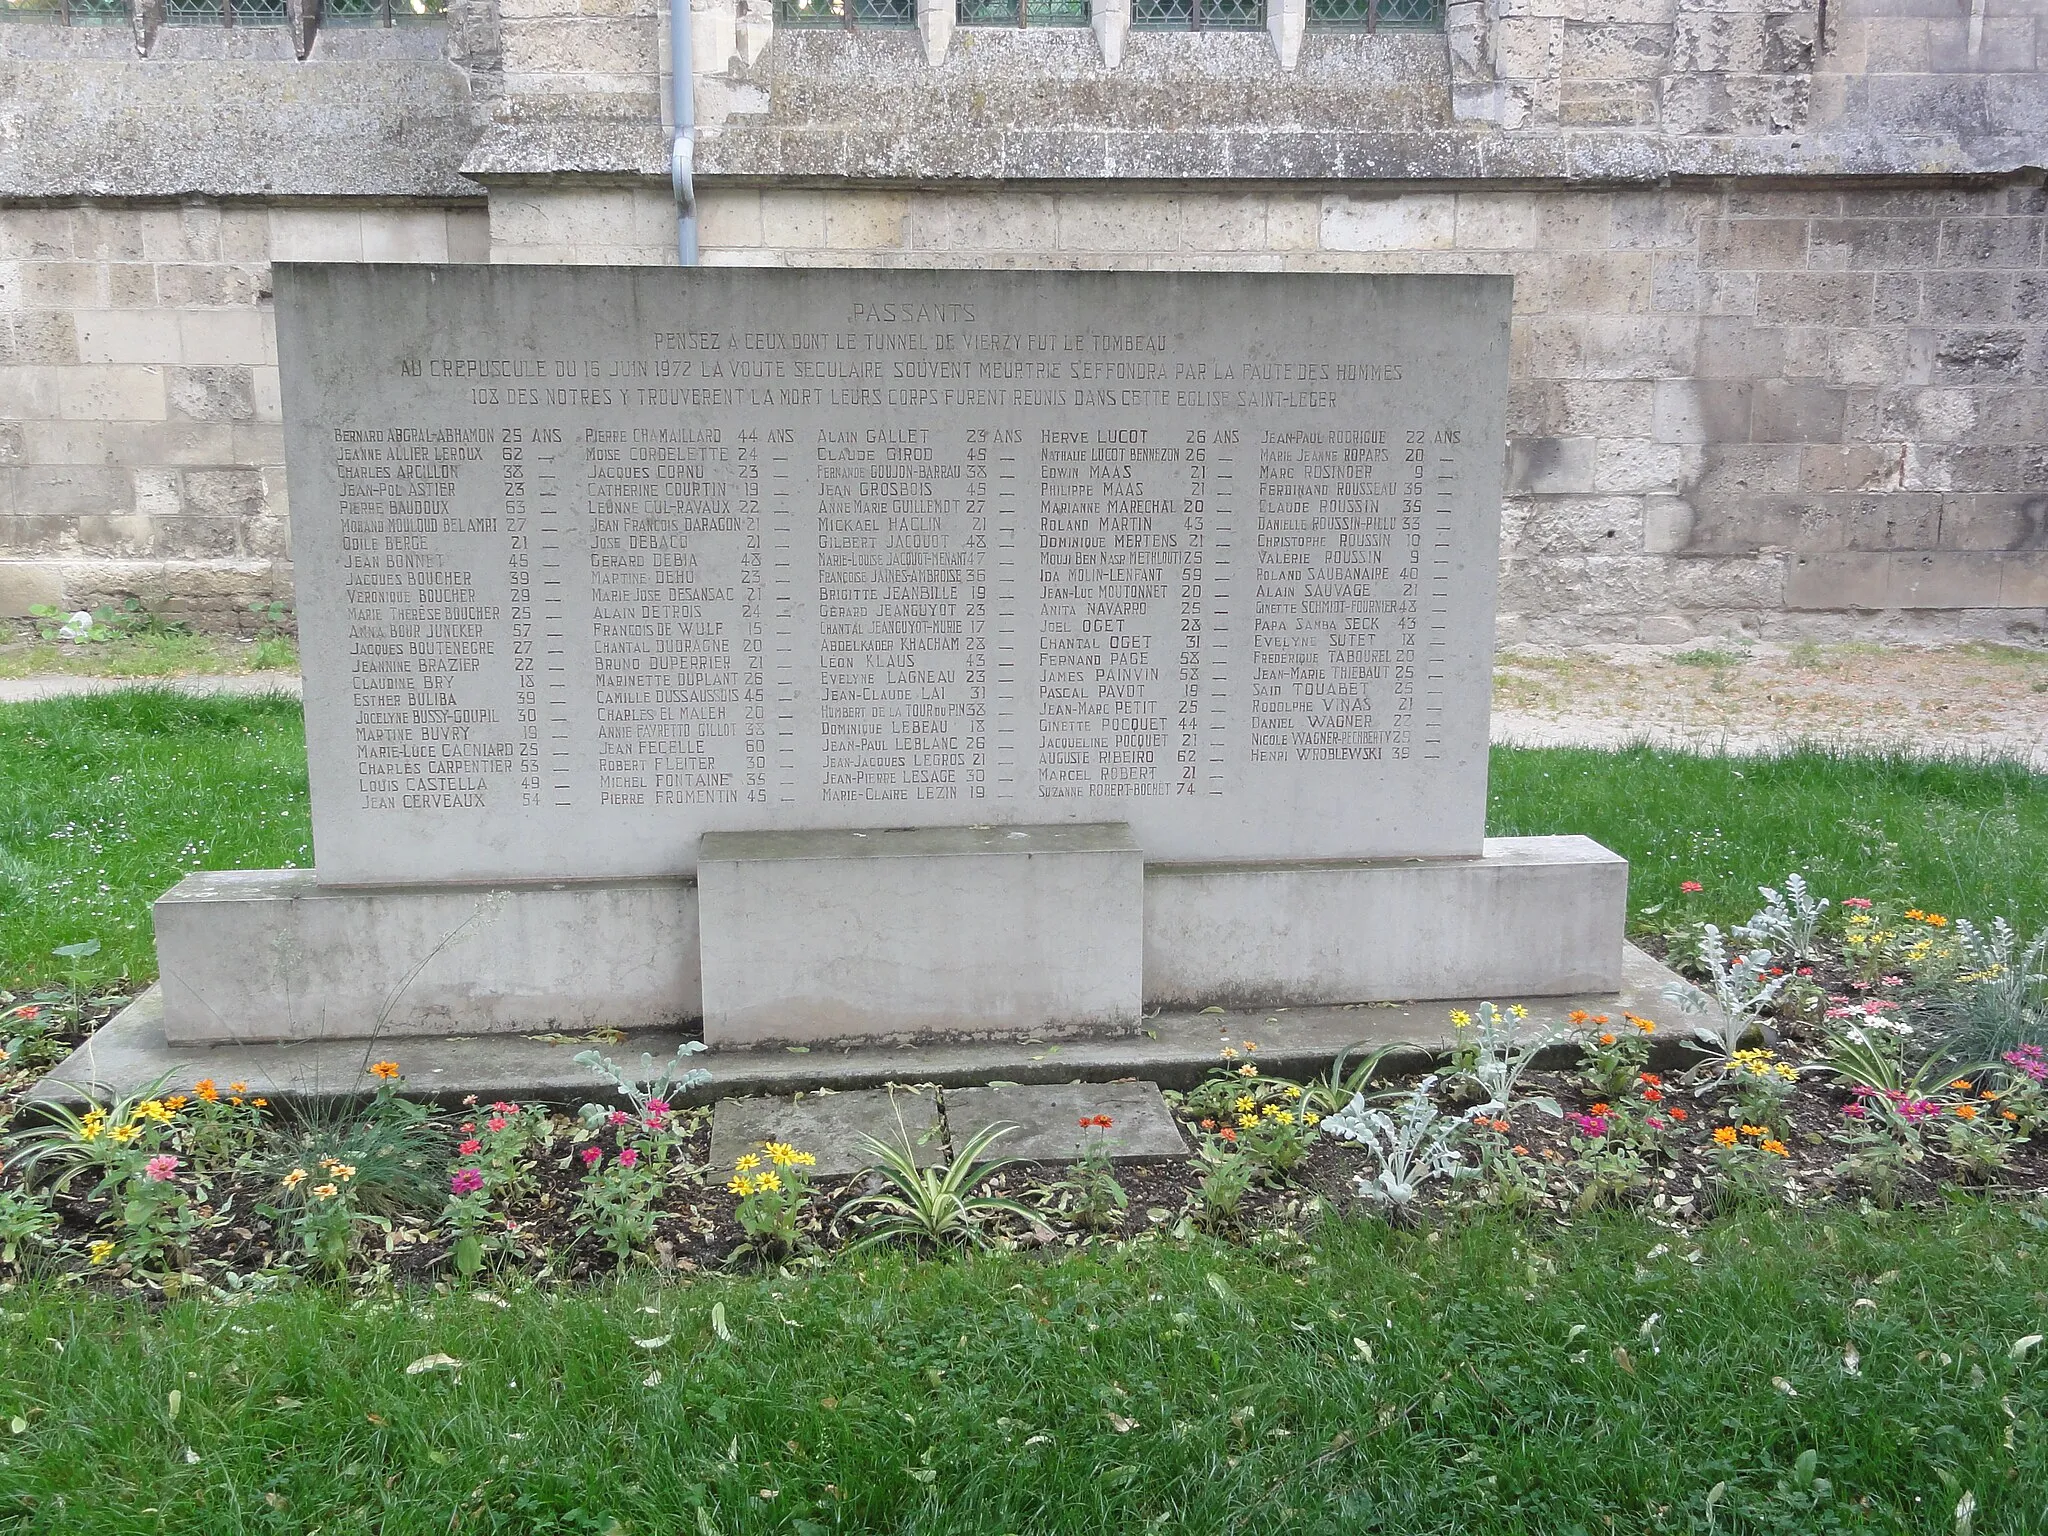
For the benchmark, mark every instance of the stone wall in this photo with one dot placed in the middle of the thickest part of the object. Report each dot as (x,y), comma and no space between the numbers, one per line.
(140,447)
(1781,342)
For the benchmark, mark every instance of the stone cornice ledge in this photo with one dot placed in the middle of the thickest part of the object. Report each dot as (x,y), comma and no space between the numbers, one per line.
(753,152)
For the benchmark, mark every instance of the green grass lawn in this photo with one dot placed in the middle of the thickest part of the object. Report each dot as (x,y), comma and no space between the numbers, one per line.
(1614,1374)
(106,801)
(1487,1378)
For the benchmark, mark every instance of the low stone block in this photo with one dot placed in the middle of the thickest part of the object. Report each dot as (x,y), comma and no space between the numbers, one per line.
(250,955)
(1531,917)
(831,1127)
(920,932)
(1047,1119)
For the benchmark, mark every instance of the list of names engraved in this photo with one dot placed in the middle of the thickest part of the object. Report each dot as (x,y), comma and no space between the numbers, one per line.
(591,561)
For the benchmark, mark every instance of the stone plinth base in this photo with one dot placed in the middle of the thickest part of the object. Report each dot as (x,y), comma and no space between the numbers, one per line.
(270,955)
(967,932)
(809,937)
(1531,917)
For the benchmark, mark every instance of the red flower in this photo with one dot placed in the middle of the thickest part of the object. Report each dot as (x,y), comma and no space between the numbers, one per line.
(1096,1122)
(1691,887)
(1678,1114)
(471,1147)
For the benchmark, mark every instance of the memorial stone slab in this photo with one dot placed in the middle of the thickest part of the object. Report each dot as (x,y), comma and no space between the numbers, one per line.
(1048,1116)
(832,1127)
(592,562)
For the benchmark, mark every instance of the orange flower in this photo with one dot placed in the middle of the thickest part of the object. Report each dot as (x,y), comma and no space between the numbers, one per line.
(205,1090)
(238,1087)
(1653,1095)
(1607,1039)
(1577,1016)
(1966,1111)
(1776,1148)
(1598,1109)
(1228,1133)
(1520,1151)
(386,1070)
(1679,1114)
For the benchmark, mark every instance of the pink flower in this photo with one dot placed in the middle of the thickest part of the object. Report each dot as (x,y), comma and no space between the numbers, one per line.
(591,1156)
(629,1157)
(1806,970)
(655,1122)
(1858,903)
(471,1147)
(1855,1111)
(159,1169)
(1654,1122)
(469,1127)
(1592,1125)
(465,1181)
(657,1106)
(1691,887)
(617,1117)
(2028,1060)
(495,1123)
(1891,981)
(505,1109)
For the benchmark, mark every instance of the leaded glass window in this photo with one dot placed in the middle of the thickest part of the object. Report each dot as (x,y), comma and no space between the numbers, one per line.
(1378,15)
(1199,15)
(1023,13)
(846,13)
(233,13)
(76,13)
(379,13)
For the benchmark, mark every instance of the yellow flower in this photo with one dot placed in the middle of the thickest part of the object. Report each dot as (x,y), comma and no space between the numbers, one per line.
(1724,1135)
(783,1155)
(1245,1104)
(155,1109)
(740,1185)
(386,1071)
(1518,1010)
(746,1162)
(127,1133)
(1246,1122)
(1311,1119)
(325,1191)
(1460,1017)
(92,1125)
(294,1179)
(100,1251)
(1284,1116)
(1290,1091)
(768,1181)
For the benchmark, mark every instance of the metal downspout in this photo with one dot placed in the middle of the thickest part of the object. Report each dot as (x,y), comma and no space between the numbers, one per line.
(682,142)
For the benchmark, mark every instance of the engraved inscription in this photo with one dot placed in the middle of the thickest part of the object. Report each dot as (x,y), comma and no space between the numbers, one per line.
(592,561)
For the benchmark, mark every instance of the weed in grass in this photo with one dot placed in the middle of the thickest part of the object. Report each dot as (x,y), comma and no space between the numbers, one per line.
(1710,656)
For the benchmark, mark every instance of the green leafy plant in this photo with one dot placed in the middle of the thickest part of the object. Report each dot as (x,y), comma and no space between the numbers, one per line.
(67,1141)
(1612,1059)
(773,1200)
(26,1222)
(320,1211)
(1346,1079)
(616,1202)
(1090,1196)
(1413,1146)
(936,1208)
(1486,1053)
(1227,1176)
(1739,993)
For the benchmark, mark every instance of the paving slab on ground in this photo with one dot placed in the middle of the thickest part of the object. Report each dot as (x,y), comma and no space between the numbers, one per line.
(830,1127)
(1176,1050)
(1047,1118)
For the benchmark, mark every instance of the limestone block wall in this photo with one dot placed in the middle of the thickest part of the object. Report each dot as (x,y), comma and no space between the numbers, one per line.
(1773,411)
(141,451)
